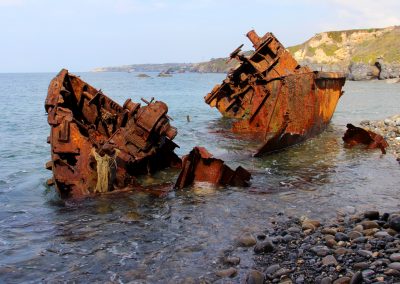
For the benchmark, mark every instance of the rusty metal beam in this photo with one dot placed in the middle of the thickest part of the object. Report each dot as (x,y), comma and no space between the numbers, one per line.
(201,166)
(357,135)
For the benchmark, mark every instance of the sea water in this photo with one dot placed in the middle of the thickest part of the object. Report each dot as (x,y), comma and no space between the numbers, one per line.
(136,237)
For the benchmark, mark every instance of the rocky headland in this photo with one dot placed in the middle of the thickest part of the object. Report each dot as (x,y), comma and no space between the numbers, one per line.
(362,54)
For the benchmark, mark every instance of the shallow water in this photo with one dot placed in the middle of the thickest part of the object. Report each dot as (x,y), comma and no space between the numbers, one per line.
(135,237)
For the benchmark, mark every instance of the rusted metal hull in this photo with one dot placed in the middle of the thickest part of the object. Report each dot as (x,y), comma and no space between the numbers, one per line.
(357,135)
(98,145)
(201,166)
(274,98)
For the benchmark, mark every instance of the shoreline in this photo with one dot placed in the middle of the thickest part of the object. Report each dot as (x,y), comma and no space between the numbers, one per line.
(360,248)
(389,128)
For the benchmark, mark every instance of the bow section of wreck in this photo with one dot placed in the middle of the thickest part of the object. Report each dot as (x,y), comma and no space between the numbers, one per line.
(275,99)
(98,145)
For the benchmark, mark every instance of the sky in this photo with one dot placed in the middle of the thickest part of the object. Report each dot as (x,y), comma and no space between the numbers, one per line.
(47,35)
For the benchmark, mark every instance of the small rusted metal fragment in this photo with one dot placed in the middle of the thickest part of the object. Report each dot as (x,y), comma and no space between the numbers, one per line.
(98,146)
(201,166)
(357,135)
(275,99)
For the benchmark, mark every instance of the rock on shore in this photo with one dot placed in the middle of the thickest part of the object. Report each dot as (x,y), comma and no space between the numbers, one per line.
(363,248)
(389,128)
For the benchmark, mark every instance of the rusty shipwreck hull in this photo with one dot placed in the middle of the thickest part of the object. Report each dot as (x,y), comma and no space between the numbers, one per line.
(275,99)
(98,145)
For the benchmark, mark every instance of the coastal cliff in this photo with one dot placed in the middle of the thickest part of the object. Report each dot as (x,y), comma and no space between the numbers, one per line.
(362,54)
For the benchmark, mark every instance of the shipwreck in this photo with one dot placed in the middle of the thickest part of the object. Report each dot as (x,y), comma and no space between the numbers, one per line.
(99,146)
(273,98)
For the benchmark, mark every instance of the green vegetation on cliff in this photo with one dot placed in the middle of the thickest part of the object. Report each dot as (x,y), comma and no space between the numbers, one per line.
(338,49)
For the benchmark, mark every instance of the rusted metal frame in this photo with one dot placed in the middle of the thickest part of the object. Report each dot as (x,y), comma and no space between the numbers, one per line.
(274,107)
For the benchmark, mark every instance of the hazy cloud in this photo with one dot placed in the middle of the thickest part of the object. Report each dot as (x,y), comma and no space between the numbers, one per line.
(369,13)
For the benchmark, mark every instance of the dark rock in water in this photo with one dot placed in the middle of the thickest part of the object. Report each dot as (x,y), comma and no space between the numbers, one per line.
(394,222)
(247,240)
(265,246)
(357,278)
(341,237)
(142,75)
(255,277)
(372,215)
(385,216)
(230,272)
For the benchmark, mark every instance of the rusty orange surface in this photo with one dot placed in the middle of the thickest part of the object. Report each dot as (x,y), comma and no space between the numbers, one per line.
(357,135)
(274,98)
(88,129)
(201,166)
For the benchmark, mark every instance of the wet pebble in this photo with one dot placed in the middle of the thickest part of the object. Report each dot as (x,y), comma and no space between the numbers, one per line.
(342,280)
(326,280)
(365,253)
(394,223)
(265,246)
(255,277)
(360,265)
(394,265)
(354,235)
(272,269)
(395,257)
(367,273)
(232,260)
(369,224)
(341,237)
(372,215)
(357,278)
(329,260)
(320,250)
(247,240)
(229,272)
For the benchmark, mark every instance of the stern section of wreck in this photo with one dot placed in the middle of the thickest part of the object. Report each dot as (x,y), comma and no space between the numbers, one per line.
(275,99)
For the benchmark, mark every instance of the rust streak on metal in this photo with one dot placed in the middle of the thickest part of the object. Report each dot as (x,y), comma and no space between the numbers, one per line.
(98,145)
(357,135)
(201,166)
(274,98)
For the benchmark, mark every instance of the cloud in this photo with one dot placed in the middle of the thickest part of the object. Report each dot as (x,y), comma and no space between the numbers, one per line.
(370,13)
